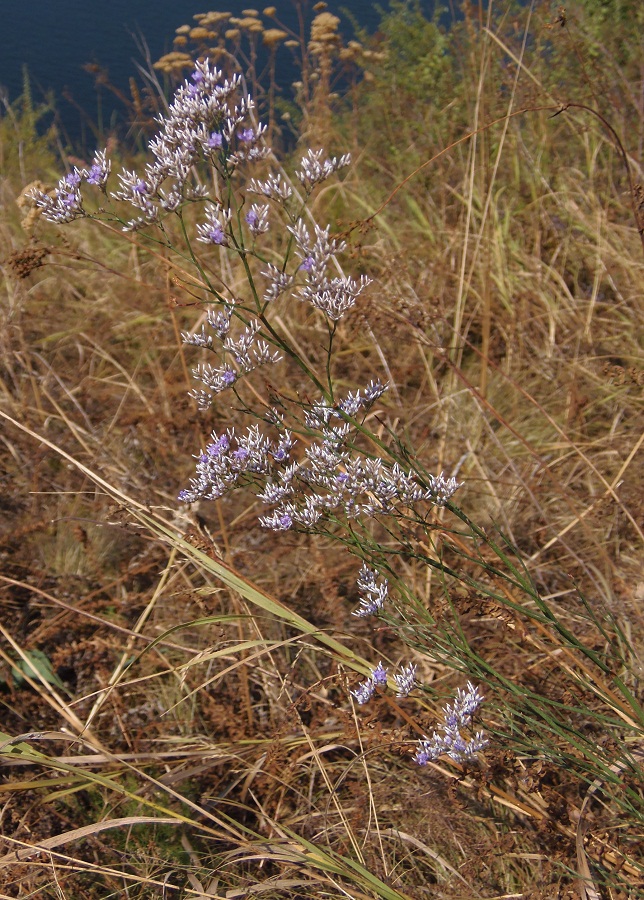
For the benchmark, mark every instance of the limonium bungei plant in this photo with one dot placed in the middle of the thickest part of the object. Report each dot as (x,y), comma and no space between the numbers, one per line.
(309,455)
(309,464)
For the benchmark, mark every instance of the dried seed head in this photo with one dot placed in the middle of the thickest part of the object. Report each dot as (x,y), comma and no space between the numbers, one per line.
(250,23)
(201,34)
(213,18)
(324,29)
(272,36)
(174,62)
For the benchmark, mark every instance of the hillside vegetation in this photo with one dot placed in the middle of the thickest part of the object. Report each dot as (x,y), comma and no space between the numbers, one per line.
(194,634)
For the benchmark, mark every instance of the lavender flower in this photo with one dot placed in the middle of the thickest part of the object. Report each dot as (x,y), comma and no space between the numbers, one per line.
(66,204)
(441,489)
(225,460)
(215,140)
(141,195)
(219,320)
(282,452)
(354,402)
(100,169)
(281,521)
(364,691)
(212,232)
(207,133)
(405,680)
(333,296)
(449,740)
(257,218)
(374,593)
(314,169)
(379,675)
(247,352)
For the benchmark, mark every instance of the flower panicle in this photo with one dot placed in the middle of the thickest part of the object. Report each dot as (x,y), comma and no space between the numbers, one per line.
(449,739)
(373,592)
(314,169)
(405,682)
(65,203)
(365,691)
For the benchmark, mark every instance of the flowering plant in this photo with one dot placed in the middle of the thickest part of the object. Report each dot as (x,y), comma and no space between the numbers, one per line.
(304,445)
(313,465)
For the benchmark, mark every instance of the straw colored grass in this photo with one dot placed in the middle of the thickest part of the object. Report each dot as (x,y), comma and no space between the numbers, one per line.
(192,734)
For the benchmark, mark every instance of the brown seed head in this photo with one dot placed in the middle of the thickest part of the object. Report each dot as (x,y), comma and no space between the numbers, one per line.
(324,29)
(250,23)
(213,18)
(201,34)
(174,62)
(273,36)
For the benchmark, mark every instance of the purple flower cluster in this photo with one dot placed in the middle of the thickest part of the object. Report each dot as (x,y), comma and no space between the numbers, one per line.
(66,202)
(333,296)
(405,681)
(373,593)
(257,219)
(449,740)
(239,357)
(225,460)
(207,120)
(214,229)
(364,692)
(328,478)
(333,478)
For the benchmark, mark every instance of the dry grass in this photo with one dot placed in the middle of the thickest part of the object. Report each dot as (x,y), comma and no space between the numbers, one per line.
(186,730)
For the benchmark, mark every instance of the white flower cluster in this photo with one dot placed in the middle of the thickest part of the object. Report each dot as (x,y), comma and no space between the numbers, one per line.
(240,357)
(215,227)
(206,121)
(314,168)
(333,478)
(373,592)
(333,296)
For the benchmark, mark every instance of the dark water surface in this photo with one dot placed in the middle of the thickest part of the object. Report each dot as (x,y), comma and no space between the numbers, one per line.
(54,38)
